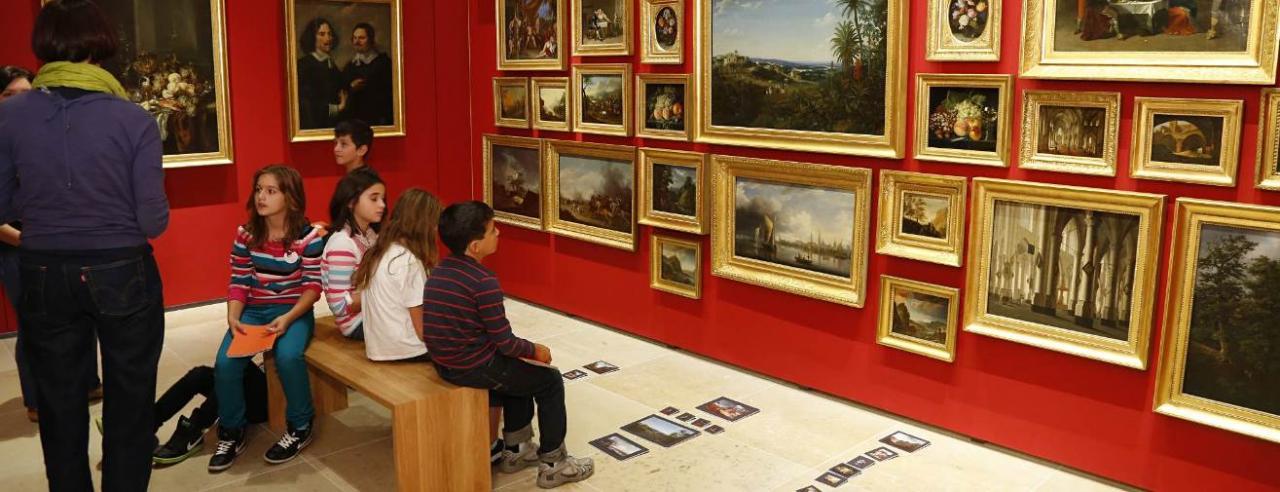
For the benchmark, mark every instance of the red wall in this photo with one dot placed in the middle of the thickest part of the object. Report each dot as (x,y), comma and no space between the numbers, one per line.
(1089,415)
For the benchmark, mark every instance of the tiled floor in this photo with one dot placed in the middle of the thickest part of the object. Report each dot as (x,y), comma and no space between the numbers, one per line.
(796,436)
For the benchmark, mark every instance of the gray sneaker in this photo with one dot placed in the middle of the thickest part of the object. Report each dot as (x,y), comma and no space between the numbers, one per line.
(565,470)
(514,461)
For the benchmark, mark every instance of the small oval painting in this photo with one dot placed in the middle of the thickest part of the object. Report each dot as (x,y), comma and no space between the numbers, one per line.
(967,18)
(666,28)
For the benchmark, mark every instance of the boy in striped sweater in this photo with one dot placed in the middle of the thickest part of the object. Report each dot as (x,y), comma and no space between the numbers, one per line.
(471,344)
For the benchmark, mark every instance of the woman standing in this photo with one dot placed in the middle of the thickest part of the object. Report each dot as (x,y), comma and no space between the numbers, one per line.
(90,197)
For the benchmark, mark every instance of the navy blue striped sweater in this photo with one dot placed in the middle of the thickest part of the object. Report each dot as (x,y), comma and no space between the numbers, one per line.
(464,322)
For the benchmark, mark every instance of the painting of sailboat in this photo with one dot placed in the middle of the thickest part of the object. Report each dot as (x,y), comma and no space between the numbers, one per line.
(798,226)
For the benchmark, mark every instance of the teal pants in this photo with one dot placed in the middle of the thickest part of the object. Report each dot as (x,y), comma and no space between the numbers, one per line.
(290,365)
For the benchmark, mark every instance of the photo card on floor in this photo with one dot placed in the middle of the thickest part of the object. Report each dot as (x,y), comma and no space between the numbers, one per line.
(601,367)
(574,374)
(844,470)
(619,447)
(685,417)
(904,441)
(809,489)
(831,479)
(715,429)
(862,462)
(660,431)
(882,453)
(700,423)
(670,411)
(728,409)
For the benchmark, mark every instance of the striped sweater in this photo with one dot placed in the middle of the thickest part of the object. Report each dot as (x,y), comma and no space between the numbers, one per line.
(273,274)
(342,254)
(464,322)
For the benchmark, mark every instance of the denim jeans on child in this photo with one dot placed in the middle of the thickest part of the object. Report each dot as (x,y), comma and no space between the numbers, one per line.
(290,364)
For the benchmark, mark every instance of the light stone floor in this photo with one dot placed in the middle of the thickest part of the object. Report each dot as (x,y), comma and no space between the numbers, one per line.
(795,438)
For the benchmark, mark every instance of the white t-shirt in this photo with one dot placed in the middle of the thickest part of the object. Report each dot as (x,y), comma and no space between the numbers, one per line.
(397,285)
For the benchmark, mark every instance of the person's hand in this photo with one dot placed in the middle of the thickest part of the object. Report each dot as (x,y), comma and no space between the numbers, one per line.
(235,326)
(541,353)
(357,85)
(342,99)
(279,324)
(354,307)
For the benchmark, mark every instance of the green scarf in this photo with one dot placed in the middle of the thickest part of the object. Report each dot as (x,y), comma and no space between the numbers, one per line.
(85,76)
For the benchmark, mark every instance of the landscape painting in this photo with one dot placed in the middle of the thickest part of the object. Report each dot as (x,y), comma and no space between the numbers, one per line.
(660,431)
(797,226)
(925,215)
(531,35)
(921,316)
(552,104)
(679,264)
(517,181)
(918,317)
(1187,139)
(676,266)
(515,102)
(675,189)
(596,192)
(602,101)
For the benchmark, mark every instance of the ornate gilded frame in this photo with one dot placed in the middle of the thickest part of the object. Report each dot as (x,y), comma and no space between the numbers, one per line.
(941,46)
(656,281)
(396,45)
(1268,158)
(1170,399)
(926,82)
(649,51)
(1256,65)
(1029,157)
(849,291)
(536,84)
(618,69)
(490,141)
(618,49)
(641,112)
(885,335)
(504,63)
(551,205)
(648,216)
(500,83)
(890,240)
(1131,352)
(891,144)
(1141,164)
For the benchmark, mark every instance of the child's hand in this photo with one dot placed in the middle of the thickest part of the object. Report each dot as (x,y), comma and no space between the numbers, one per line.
(279,324)
(235,326)
(541,353)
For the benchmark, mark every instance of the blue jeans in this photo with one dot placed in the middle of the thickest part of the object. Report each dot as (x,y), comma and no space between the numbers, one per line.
(292,367)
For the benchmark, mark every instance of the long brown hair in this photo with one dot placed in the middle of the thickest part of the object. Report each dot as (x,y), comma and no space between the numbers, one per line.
(412,225)
(295,202)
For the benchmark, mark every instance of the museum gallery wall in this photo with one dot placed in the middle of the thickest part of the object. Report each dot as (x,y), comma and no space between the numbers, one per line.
(1006,279)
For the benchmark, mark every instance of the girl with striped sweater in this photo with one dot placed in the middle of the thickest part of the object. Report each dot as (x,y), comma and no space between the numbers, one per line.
(275,281)
(356,209)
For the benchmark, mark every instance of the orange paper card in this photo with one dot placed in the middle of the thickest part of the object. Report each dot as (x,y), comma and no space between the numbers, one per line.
(255,340)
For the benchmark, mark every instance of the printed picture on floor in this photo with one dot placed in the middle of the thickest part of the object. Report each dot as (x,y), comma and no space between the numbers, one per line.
(862,462)
(831,479)
(685,417)
(728,409)
(660,431)
(619,447)
(797,226)
(714,429)
(601,367)
(844,470)
(670,411)
(575,374)
(530,35)
(882,454)
(904,441)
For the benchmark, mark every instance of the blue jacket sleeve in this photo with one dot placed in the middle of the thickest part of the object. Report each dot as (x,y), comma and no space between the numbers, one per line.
(148,182)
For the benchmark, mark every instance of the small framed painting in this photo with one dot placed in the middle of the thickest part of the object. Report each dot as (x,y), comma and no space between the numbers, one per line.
(513,180)
(601,27)
(673,188)
(662,107)
(963,30)
(1070,132)
(922,217)
(662,31)
(676,266)
(511,102)
(591,192)
(531,35)
(550,103)
(919,318)
(963,118)
(1186,140)
(601,99)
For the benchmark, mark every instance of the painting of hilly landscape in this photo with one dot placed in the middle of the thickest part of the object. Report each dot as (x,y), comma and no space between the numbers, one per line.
(807,65)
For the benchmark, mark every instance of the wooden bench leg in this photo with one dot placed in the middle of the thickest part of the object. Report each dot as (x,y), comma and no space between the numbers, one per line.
(328,395)
(443,443)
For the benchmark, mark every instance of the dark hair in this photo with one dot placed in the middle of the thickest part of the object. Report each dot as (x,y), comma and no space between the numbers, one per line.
(308,38)
(354,184)
(368,29)
(73,31)
(359,131)
(462,223)
(295,200)
(10,73)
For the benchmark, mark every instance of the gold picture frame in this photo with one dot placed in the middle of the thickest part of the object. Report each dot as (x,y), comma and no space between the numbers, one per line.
(1189,350)
(659,267)
(1038,283)
(617,25)
(586,155)
(1254,64)
(507,47)
(512,203)
(1181,163)
(536,86)
(651,212)
(924,192)
(218,81)
(888,142)
(624,120)
(890,331)
(521,119)
(676,113)
(1268,158)
(962,149)
(947,42)
(1073,123)
(652,49)
(840,195)
(320,117)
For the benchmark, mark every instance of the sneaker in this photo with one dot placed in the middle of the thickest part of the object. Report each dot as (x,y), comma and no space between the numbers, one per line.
(567,469)
(495,451)
(522,456)
(186,441)
(289,445)
(231,443)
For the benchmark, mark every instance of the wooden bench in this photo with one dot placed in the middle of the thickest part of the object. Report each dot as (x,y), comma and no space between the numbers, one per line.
(440,432)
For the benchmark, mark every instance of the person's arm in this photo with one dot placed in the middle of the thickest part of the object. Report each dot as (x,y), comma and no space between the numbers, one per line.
(241,272)
(413,291)
(311,283)
(415,315)
(152,206)
(493,315)
(337,267)
(234,310)
(10,235)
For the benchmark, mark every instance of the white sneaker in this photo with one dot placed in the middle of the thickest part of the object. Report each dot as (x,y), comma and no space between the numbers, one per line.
(514,461)
(566,470)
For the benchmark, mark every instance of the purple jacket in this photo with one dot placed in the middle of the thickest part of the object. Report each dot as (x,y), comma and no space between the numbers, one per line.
(82,173)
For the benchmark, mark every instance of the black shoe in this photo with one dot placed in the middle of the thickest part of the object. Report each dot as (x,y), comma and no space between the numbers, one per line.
(186,441)
(290,444)
(231,443)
